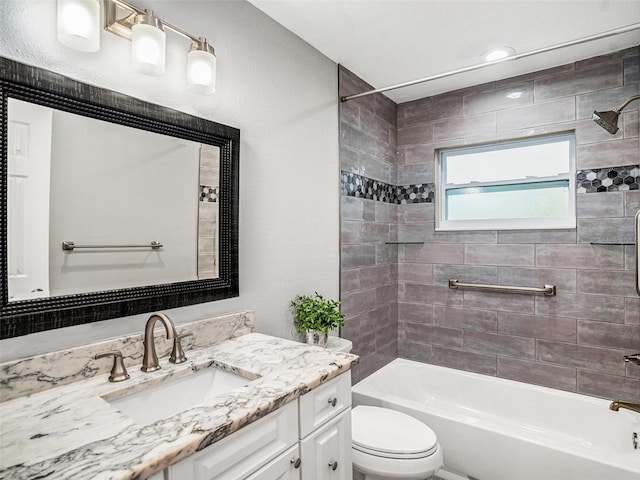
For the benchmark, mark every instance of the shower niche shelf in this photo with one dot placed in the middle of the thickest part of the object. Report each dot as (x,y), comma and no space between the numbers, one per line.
(404,243)
(612,243)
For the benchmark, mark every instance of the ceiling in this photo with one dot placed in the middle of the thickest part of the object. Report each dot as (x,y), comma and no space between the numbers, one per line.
(387,42)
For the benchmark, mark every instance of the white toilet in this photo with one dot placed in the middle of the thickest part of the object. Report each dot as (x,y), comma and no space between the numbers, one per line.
(387,444)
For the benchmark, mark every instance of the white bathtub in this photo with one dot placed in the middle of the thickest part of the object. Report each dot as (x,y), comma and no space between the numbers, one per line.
(496,429)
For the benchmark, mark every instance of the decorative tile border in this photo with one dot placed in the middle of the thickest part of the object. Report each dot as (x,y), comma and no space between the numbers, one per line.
(595,180)
(208,194)
(419,193)
(354,185)
(610,179)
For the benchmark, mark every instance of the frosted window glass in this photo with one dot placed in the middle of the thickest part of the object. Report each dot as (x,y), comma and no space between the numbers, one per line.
(540,200)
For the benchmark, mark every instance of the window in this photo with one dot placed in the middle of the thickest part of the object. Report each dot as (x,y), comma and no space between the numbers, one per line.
(520,184)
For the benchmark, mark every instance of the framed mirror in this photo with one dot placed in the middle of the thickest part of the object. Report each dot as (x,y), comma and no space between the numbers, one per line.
(111,206)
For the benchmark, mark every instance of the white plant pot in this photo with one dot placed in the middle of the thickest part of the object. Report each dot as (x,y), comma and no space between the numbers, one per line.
(317,338)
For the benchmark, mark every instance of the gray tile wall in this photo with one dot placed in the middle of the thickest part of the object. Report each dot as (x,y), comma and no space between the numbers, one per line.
(574,341)
(369,268)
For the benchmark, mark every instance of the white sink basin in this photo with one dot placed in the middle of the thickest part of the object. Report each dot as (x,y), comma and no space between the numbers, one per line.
(166,399)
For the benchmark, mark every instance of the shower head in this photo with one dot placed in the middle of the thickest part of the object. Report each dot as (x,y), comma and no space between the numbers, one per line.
(609,120)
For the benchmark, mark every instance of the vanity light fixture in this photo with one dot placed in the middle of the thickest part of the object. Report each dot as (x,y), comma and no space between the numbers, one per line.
(79,24)
(148,44)
(145,31)
(201,67)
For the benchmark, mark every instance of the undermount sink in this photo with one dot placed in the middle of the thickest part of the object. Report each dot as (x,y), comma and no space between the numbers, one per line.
(173,396)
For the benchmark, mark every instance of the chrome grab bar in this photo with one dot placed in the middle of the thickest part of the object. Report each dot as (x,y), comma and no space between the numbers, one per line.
(547,290)
(638,252)
(67,245)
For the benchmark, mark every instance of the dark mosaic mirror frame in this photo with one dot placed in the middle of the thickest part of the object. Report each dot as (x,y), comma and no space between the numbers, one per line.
(43,87)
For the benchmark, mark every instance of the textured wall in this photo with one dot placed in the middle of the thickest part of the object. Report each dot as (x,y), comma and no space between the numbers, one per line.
(576,340)
(368,264)
(283,96)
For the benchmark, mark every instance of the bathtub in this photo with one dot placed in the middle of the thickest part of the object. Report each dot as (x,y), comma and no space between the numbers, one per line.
(495,429)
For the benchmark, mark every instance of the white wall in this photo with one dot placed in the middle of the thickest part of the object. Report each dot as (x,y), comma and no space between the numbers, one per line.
(283,96)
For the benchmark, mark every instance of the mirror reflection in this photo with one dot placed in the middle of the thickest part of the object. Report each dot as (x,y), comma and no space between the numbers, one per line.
(109,191)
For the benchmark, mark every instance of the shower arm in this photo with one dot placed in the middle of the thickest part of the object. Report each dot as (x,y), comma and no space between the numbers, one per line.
(635,97)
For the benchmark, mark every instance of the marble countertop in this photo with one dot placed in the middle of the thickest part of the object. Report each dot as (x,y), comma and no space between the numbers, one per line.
(73,432)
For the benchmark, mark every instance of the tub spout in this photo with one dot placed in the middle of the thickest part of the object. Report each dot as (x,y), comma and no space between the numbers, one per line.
(617,404)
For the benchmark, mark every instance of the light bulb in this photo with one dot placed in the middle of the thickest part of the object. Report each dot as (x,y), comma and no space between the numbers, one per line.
(498,54)
(79,24)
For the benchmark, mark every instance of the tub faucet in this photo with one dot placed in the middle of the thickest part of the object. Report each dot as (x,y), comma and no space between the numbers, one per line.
(617,404)
(635,358)
(150,359)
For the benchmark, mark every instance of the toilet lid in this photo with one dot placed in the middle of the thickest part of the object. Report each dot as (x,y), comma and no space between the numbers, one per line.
(389,433)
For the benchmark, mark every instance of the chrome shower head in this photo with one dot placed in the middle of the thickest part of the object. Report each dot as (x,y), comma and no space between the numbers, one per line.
(609,120)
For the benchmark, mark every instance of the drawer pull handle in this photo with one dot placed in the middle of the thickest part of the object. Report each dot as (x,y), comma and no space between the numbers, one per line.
(296,462)
(333,402)
(333,465)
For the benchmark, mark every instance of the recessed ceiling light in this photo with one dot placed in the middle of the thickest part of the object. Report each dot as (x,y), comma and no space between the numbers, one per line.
(498,54)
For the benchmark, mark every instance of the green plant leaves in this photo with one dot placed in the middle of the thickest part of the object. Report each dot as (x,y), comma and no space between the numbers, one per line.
(316,313)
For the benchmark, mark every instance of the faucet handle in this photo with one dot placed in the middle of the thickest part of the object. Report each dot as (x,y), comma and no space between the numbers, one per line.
(118,371)
(635,358)
(177,354)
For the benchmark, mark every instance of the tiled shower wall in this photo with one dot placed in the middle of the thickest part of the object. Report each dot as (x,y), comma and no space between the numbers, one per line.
(368,286)
(576,340)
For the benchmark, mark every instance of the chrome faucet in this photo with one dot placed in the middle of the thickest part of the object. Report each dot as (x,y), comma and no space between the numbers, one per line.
(150,359)
(617,404)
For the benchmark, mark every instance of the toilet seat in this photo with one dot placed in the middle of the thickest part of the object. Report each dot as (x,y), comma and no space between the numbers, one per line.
(387,433)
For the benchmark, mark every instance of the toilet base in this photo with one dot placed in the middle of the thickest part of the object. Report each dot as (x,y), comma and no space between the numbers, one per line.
(379,468)
(378,477)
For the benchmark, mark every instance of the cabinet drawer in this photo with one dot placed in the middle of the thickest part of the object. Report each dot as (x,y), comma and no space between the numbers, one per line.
(244,451)
(285,467)
(323,403)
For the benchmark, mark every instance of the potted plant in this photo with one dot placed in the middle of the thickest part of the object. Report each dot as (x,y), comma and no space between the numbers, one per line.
(315,316)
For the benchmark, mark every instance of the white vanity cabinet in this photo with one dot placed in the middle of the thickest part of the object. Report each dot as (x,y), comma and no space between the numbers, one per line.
(309,439)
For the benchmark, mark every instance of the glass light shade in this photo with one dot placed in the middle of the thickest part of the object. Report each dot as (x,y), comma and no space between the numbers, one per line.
(201,72)
(148,44)
(79,24)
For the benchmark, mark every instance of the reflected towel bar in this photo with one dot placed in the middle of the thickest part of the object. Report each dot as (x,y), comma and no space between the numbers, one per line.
(66,245)
(548,290)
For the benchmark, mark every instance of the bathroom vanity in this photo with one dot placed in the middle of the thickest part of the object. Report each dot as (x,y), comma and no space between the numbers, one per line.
(288,415)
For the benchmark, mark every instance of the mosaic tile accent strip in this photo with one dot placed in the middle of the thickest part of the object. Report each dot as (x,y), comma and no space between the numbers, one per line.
(610,179)
(419,193)
(208,194)
(595,180)
(354,185)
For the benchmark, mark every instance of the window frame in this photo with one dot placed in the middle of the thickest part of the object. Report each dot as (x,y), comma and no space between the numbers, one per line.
(532,223)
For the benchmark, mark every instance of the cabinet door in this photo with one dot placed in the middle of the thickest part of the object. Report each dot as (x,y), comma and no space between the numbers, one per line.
(285,467)
(326,453)
(243,452)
